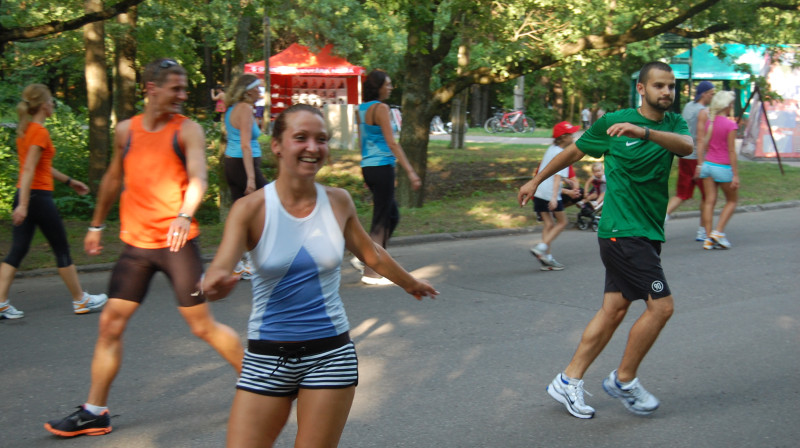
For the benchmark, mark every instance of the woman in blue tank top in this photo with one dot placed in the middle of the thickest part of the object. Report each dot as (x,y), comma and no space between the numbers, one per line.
(298,334)
(379,153)
(242,152)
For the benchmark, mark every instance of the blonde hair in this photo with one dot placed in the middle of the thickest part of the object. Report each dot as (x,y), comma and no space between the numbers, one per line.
(721,101)
(238,88)
(34,96)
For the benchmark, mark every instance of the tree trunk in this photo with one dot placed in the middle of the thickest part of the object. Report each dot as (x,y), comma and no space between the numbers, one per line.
(458,114)
(97,95)
(125,60)
(414,135)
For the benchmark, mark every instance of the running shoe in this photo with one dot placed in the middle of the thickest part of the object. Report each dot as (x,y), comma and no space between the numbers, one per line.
(357,264)
(635,398)
(375,281)
(720,240)
(552,265)
(89,303)
(7,311)
(80,422)
(243,270)
(571,396)
(701,234)
(708,244)
(540,254)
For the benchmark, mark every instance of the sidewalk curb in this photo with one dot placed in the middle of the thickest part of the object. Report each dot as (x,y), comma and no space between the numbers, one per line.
(439,237)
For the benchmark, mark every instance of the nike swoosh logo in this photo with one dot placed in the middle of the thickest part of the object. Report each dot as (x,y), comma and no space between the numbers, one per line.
(84,422)
(632,143)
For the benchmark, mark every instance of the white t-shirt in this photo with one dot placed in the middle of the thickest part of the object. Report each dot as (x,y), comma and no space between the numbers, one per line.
(545,190)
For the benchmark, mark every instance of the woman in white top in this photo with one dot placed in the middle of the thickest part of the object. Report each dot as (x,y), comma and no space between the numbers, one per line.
(298,346)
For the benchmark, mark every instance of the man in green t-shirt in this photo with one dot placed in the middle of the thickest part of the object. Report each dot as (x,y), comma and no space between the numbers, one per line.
(638,146)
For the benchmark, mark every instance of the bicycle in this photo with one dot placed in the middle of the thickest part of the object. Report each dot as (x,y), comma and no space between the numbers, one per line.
(515,121)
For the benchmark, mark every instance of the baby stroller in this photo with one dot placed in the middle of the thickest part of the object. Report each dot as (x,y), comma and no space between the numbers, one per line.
(589,215)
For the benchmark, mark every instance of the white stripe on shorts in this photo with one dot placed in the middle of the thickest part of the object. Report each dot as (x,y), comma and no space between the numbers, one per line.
(282,376)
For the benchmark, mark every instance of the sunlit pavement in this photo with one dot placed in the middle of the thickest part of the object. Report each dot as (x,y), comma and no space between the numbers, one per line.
(466,370)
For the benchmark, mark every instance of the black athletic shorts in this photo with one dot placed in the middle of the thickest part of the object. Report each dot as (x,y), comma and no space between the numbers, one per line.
(136,267)
(542,206)
(633,267)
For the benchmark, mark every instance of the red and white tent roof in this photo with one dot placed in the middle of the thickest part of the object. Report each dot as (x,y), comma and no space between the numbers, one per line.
(298,60)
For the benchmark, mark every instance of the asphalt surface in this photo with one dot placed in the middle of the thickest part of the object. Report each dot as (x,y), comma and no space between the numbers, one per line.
(468,369)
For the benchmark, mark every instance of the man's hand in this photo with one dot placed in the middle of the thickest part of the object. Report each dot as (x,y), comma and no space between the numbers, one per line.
(526,192)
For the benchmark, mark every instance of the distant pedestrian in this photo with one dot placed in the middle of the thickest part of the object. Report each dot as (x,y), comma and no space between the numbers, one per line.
(638,146)
(696,115)
(299,344)
(34,207)
(717,156)
(547,199)
(379,154)
(159,167)
(586,118)
(218,97)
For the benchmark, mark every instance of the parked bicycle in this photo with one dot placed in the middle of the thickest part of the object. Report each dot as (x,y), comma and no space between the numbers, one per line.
(515,121)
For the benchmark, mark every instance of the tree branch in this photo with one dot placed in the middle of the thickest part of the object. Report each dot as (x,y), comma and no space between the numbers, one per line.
(29,32)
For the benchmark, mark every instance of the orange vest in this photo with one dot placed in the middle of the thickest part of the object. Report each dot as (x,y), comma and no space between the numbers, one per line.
(155,182)
(37,135)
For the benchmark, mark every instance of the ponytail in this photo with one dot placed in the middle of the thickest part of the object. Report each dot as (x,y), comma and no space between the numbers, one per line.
(34,96)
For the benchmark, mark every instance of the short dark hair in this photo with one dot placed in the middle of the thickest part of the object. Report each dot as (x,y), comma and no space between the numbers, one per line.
(280,123)
(158,70)
(373,84)
(644,73)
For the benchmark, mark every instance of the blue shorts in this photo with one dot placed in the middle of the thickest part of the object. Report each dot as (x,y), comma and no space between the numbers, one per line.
(720,173)
(281,369)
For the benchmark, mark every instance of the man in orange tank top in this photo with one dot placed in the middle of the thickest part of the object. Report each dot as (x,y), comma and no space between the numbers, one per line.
(159,159)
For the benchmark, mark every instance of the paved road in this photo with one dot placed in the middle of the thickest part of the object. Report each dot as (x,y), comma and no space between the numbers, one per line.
(466,370)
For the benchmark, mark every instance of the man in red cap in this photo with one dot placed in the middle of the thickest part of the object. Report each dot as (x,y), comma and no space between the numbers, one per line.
(547,200)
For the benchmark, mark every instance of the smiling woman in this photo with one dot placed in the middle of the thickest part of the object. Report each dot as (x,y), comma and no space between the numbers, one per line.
(298,335)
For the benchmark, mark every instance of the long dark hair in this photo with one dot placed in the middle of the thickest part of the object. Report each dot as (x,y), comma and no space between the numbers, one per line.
(373,84)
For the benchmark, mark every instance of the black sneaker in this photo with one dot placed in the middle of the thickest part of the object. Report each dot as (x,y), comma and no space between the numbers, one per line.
(80,422)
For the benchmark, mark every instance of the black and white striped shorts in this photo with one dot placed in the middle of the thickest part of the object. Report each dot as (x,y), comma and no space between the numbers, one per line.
(281,369)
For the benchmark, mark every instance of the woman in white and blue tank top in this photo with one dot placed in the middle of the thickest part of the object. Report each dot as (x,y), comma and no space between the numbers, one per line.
(379,153)
(298,342)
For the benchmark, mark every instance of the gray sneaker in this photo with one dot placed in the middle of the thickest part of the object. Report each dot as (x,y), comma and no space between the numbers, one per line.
(571,396)
(552,265)
(540,254)
(634,396)
(89,303)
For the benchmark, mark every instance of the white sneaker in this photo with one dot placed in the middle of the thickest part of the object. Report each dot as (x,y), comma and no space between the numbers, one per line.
(701,234)
(7,311)
(89,303)
(633,395)
(357,264)
(720,240)
(571,396)
(243,270)
(375,281)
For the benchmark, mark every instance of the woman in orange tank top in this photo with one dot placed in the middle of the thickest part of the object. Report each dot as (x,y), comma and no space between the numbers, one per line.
(34,206)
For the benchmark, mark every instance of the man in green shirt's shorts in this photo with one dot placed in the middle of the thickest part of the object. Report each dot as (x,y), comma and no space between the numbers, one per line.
(638,146)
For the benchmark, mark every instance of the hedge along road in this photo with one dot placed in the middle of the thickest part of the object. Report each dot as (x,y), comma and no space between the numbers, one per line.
(468,369)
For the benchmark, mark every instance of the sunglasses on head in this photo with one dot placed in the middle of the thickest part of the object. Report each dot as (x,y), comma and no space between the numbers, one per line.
(167,63)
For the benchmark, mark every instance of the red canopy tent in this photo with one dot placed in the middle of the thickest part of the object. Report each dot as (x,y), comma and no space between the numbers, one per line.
(299,76)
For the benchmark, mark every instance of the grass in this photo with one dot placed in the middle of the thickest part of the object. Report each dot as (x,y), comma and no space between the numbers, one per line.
(467,189)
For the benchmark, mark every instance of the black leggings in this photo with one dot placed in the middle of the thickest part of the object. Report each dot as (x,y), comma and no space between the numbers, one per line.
(385,215)
(236,176)
(42,212)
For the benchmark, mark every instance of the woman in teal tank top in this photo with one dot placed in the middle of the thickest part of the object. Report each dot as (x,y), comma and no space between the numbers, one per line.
(379,153)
